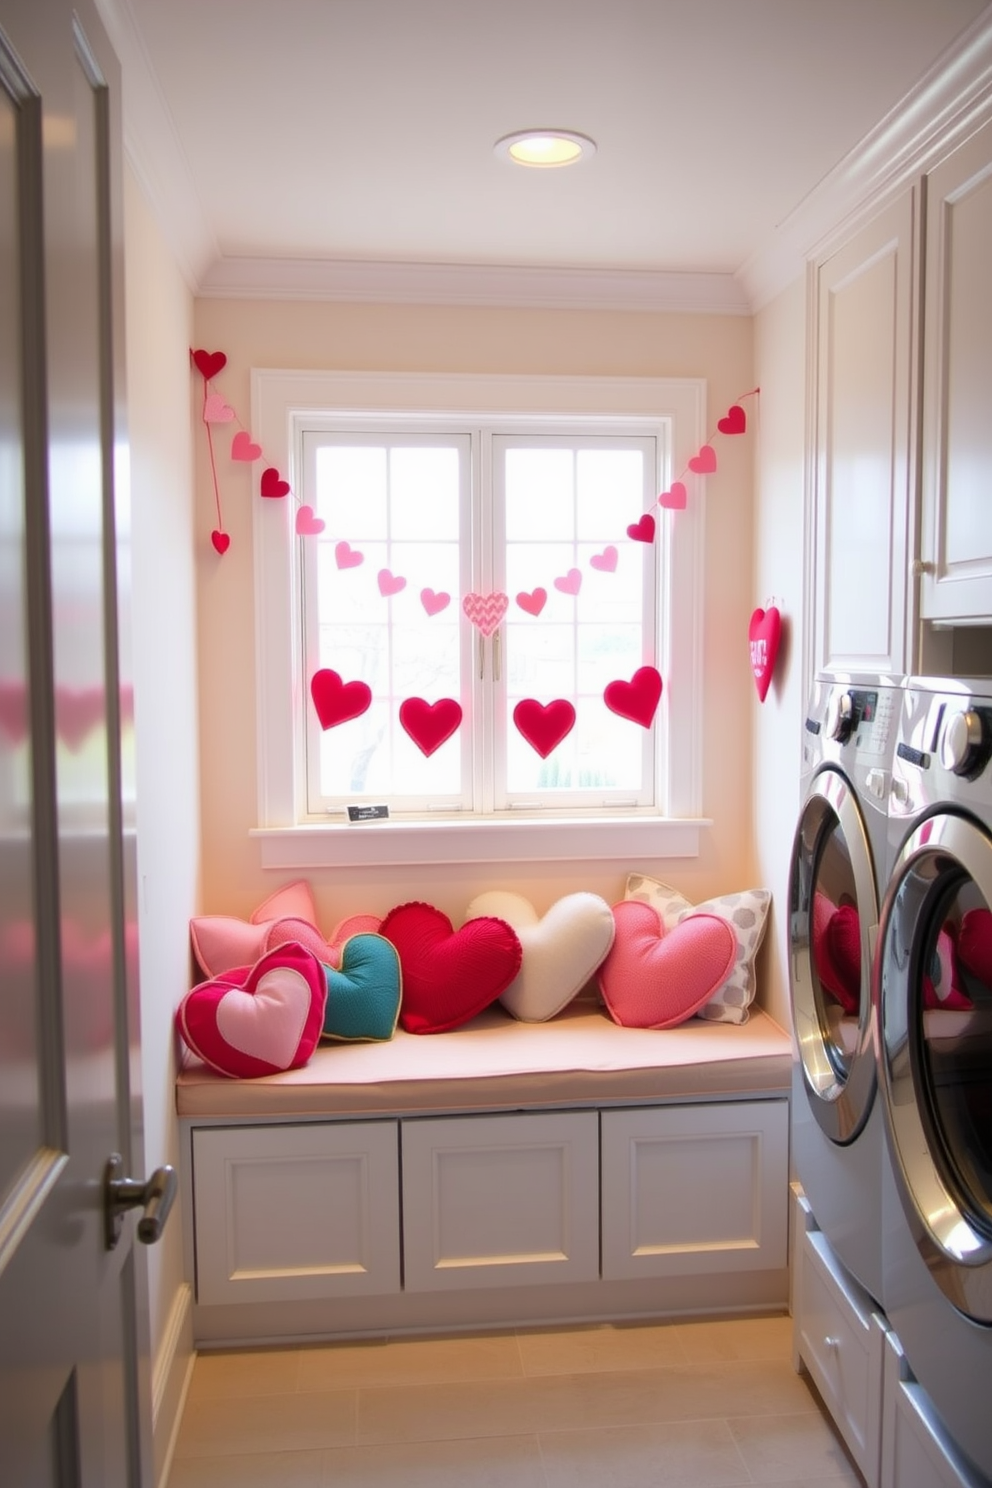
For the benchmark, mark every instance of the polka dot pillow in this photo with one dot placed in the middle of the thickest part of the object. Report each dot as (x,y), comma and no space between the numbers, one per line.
(746,913)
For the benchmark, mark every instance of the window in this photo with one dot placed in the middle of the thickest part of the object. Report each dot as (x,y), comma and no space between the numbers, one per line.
(473,632)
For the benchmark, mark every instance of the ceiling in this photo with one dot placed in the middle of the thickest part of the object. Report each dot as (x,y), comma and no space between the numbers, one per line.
(272,134)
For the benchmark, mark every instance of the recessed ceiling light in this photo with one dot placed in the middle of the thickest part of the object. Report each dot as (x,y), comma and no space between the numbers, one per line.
(545,147)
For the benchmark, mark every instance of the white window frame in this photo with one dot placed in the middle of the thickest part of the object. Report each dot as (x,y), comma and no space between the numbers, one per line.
(282,402)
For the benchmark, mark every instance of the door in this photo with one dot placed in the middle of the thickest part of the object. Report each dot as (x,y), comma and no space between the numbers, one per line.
(74,1397)
(933,1007)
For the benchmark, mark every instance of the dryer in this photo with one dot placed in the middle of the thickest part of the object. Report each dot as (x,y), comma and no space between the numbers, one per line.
(838,872)
(932,1011)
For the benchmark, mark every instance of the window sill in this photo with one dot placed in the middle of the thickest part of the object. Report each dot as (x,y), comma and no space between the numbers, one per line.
(395,844)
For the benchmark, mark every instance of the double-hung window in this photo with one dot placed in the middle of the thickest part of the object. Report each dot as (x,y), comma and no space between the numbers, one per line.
(481,622)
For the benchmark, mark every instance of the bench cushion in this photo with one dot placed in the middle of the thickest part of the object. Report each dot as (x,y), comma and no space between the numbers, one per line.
(496,1062)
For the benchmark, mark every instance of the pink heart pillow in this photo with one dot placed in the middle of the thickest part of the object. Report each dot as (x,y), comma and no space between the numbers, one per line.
(837,951)
(449,975)
(975,944)
(651,979)
(257,1020)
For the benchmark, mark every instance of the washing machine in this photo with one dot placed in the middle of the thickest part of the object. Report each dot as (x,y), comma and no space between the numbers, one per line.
(932,1011)
(839,869)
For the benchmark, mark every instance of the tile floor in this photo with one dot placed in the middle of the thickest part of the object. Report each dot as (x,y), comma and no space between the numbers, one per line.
(662,1405)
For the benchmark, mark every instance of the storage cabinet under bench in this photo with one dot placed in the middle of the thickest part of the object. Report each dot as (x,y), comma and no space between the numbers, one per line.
(309,1223)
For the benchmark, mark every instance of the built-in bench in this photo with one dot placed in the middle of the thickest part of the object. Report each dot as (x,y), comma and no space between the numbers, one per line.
(501,1174)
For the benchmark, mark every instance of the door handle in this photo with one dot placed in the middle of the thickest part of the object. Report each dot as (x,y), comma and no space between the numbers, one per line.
(155,1197)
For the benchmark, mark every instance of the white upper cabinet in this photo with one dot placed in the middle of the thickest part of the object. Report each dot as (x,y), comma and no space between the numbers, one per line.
(956,527)
(865,295)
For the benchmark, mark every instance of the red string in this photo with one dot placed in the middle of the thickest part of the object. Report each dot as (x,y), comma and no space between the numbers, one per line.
(213,462)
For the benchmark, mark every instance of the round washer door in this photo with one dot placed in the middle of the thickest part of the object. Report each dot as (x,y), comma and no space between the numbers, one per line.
(933,1013)
(832,926)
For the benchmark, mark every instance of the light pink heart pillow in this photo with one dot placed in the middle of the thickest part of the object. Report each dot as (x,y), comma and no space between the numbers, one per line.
(293,901)
(257,1020)
(561,950)
(651,979)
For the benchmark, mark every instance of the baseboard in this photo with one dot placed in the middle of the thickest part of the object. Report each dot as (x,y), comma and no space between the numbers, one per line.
(171,1374)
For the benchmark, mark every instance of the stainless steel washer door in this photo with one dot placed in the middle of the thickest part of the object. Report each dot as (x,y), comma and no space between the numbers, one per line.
(833,924)
(933,1015)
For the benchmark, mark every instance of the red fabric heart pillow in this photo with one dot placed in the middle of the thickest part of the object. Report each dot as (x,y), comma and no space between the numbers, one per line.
(257,1020)
(449,975)
(837,951)
(975,944)
(651,979)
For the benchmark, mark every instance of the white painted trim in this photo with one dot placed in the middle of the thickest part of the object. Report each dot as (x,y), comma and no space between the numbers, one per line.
(643,291)
(172,1372)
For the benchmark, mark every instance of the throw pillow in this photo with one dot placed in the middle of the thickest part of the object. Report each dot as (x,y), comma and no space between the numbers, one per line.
(561,950)
(363,994)
(449,976)
(653,978)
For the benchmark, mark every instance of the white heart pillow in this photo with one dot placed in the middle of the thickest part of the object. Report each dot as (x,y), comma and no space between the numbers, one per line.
(561,951)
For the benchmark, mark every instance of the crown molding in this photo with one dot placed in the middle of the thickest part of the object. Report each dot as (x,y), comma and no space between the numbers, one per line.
(154,150)
(473,284)
(948,104)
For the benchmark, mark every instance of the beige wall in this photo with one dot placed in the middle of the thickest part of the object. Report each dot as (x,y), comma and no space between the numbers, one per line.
(159,310)
(780,370)
(370,338)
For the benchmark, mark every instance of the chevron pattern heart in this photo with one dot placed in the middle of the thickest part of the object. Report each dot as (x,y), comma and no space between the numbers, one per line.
(486,610)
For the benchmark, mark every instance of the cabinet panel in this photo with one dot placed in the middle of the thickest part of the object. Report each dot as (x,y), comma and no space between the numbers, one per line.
(916,1453)
(691,1189)
(866,294)
(957,431)
(285,1213)
(500,1200)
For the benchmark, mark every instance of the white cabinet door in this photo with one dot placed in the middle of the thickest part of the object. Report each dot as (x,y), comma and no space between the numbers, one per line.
(865,300)
(296,1213)
(916,1452)
(493,1201)
(695,1189)
(957,428)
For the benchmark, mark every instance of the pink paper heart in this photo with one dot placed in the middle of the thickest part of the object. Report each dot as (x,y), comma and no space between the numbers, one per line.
(271,484)
(606,561)
(345,556)
(390,583)
(242,447)
(542,726)
(216,411)
(308,525)
(674,498)
(735,421)
(653,980)
(636,699)
(569,583)
(534,602)
(486,610)
(764,632)
(430,724)
(434,603)
(337,701)
(642,531)
(704,463)
(220,540)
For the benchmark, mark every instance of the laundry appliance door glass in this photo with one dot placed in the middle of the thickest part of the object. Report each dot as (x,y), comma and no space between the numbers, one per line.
(833,922)
(933,1000)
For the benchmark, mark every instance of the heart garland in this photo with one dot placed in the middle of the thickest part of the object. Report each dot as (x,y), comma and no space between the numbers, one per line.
(704,461)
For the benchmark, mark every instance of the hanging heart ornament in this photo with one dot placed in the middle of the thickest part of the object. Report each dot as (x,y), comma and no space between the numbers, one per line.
(542,726)
(764,634)
(430,724)
(337,701)
(486,610)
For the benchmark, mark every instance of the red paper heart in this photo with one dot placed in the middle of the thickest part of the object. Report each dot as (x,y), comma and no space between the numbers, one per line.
(337,701)
(220,540)
(307,524)
(534,602)
(735,421)
(542,726)
(606,561)
(345,556)
(209,363)
(14,710)
(675,498)
(434,603)
(636,699)
(764,633)
(272,483)
(642,531)
(449,976)
(705,462)
(430,724)
(242,447)
(390,583)
(653,980)
(570,583)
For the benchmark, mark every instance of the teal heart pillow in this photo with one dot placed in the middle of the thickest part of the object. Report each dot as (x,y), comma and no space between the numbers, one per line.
(363,993)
